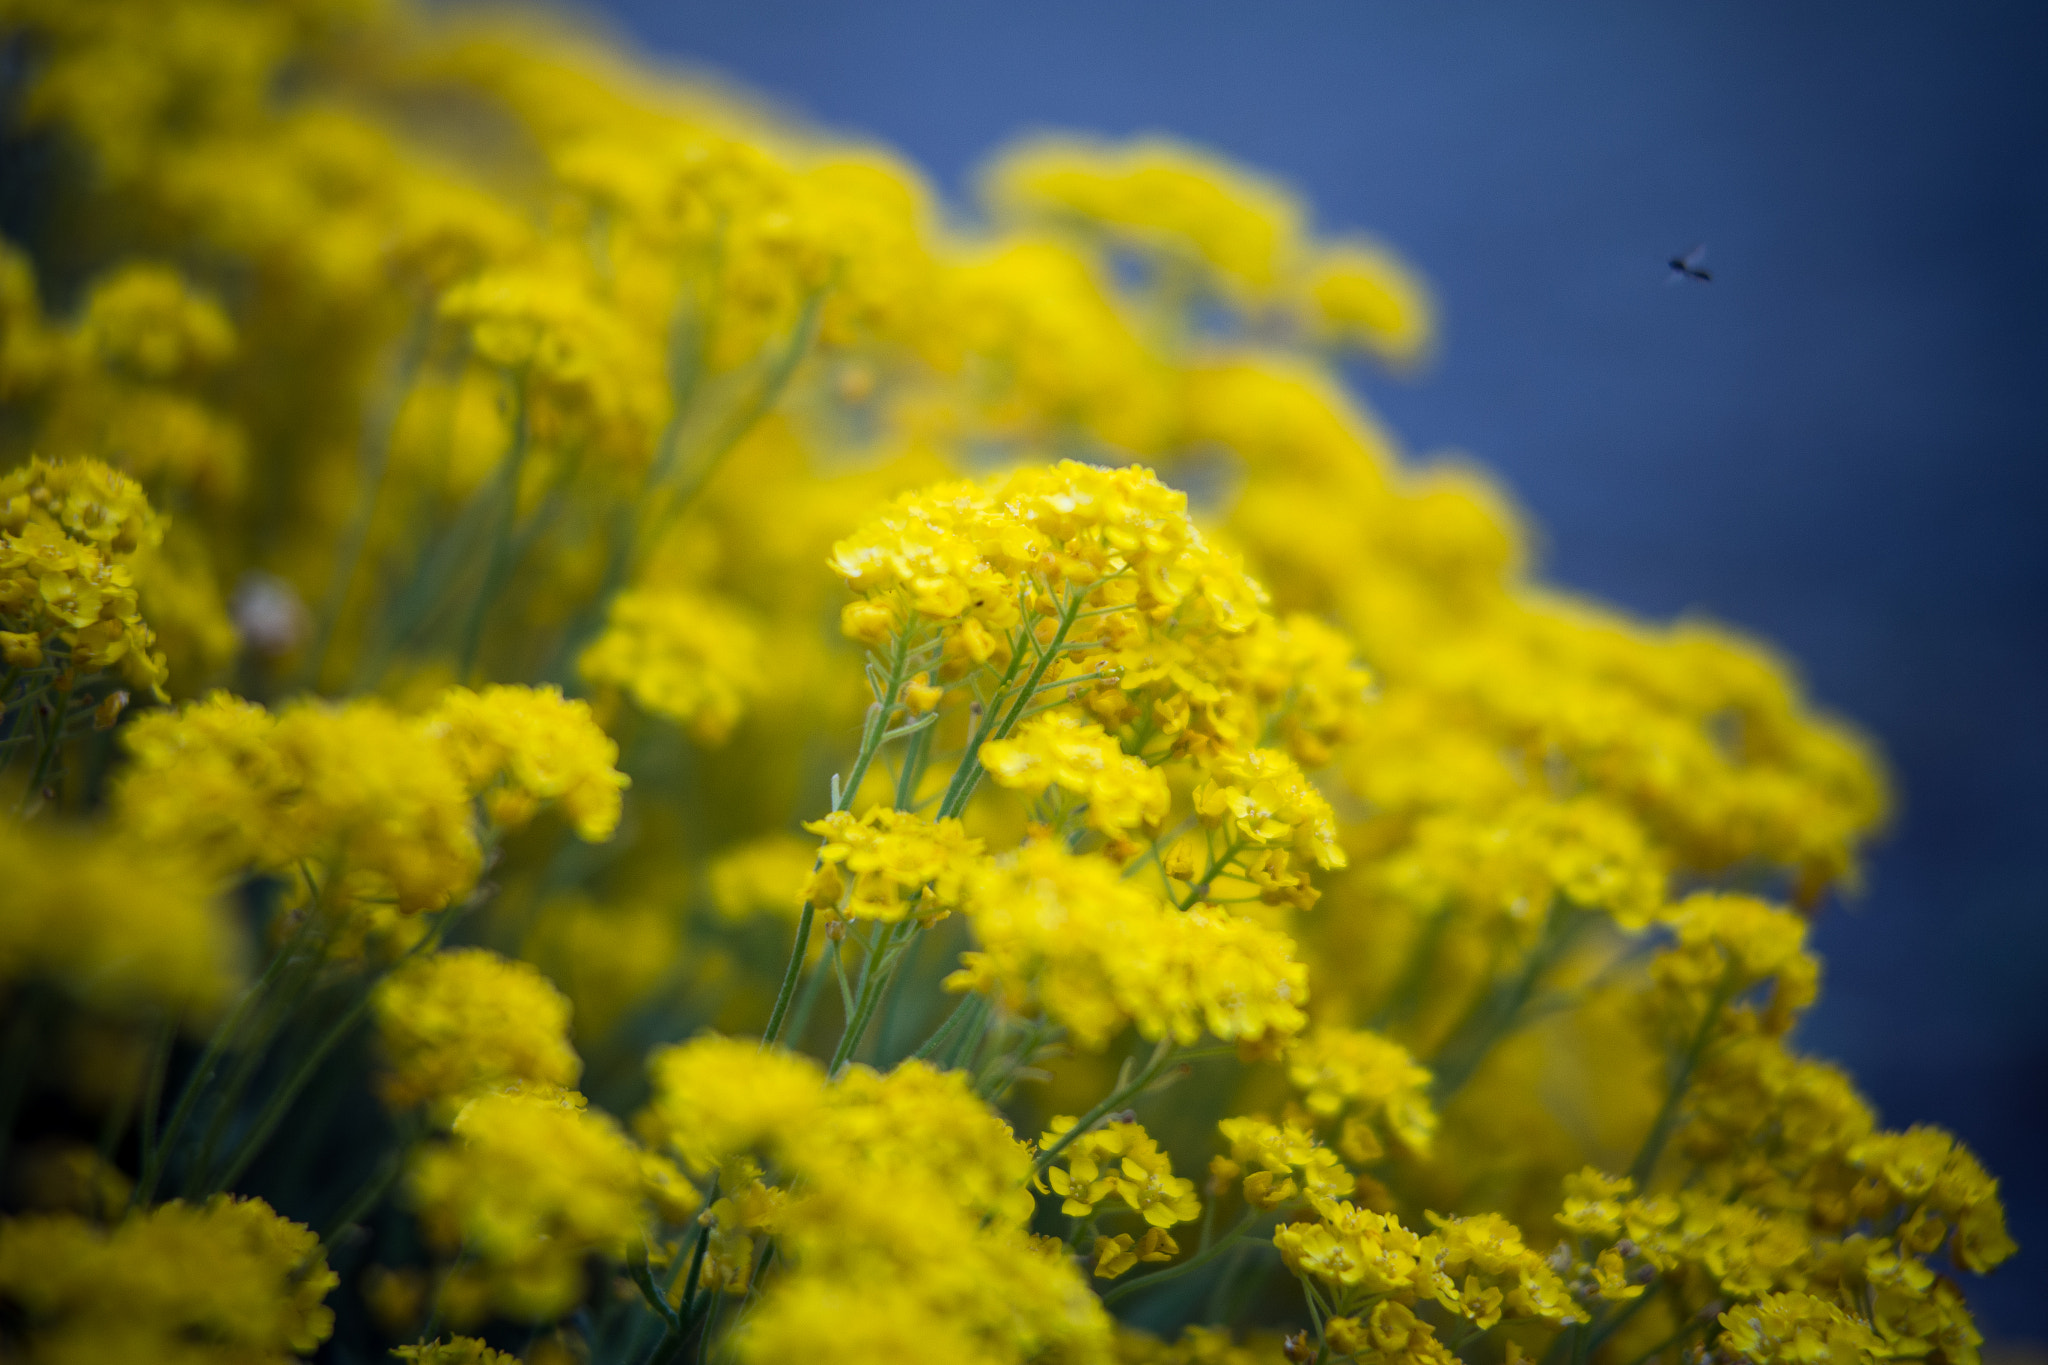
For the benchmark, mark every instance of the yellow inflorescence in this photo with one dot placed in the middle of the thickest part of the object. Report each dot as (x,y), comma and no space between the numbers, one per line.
(894,680)
(678,655)
(459,1021)
(528,1186)
(70,531)
(1068,938)
(225,1280)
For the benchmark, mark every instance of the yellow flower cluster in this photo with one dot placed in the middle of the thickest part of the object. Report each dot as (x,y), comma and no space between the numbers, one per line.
(120,926)
(1365,297)
(224,1280)
(360,799)
(463,1020)
(1476,1268)
(526,1187)
(679,655)
(887,864)
(1261,800)
(70,531)
(1163,196)
(1516,861)
(903,1222)
(1371,1078)
(1119,794)
(454,1351)
(1095,952)
(520,748)
(528,416)
(1289,1161)
(1120,1160)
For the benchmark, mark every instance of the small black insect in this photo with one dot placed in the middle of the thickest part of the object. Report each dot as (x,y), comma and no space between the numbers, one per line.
(1689,267)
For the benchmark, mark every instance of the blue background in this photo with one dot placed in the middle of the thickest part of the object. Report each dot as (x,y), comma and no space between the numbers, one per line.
(1838,444)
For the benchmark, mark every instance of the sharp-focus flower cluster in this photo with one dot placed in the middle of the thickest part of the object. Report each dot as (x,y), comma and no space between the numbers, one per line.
(887,864)
(1120,1160)
(529,417)
(1119,792)
(70,532)
(1067,937)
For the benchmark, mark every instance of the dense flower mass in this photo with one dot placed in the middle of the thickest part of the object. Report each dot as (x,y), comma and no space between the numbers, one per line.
(519,572)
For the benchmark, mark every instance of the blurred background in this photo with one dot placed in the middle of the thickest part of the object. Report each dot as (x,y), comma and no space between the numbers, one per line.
(1841,443)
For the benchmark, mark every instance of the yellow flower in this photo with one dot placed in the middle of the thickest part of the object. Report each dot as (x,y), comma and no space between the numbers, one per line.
(466,1019)
(1121,794)
(898,863)
(229,1272)
(1290,1158)
(523,747)
(1489,1251)
(119,925)
(1351,1249)
(1594,1202)
(762,875)
(1798,1329)
(716,1098)
(1094,951)
(70,532)
(1262,800)
(1120,1159)
(526,1187)
(1336,1069)
(1728,944)
(454,1351)
(150,321)
(355,789)
(681,655)
(1160,195)
(1114,1255)
(1610,1277)
(1357,294)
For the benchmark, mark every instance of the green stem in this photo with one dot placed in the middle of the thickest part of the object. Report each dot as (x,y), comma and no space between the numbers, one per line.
(875,974)
(1645,1163)
(961,1055)
(153,1090)
(952,1024)
(50,745)
(280,1102)
(501,536)
(878,719)
(912,772)
(1216,865)
(871,741)
(1500,1013)
(367,1194)
(961,788)
(1110,1103)
(202,1075)
(764,400)
(1191,1264)
(806,1005)
(380,429)
(269,1024)
(773,1033)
